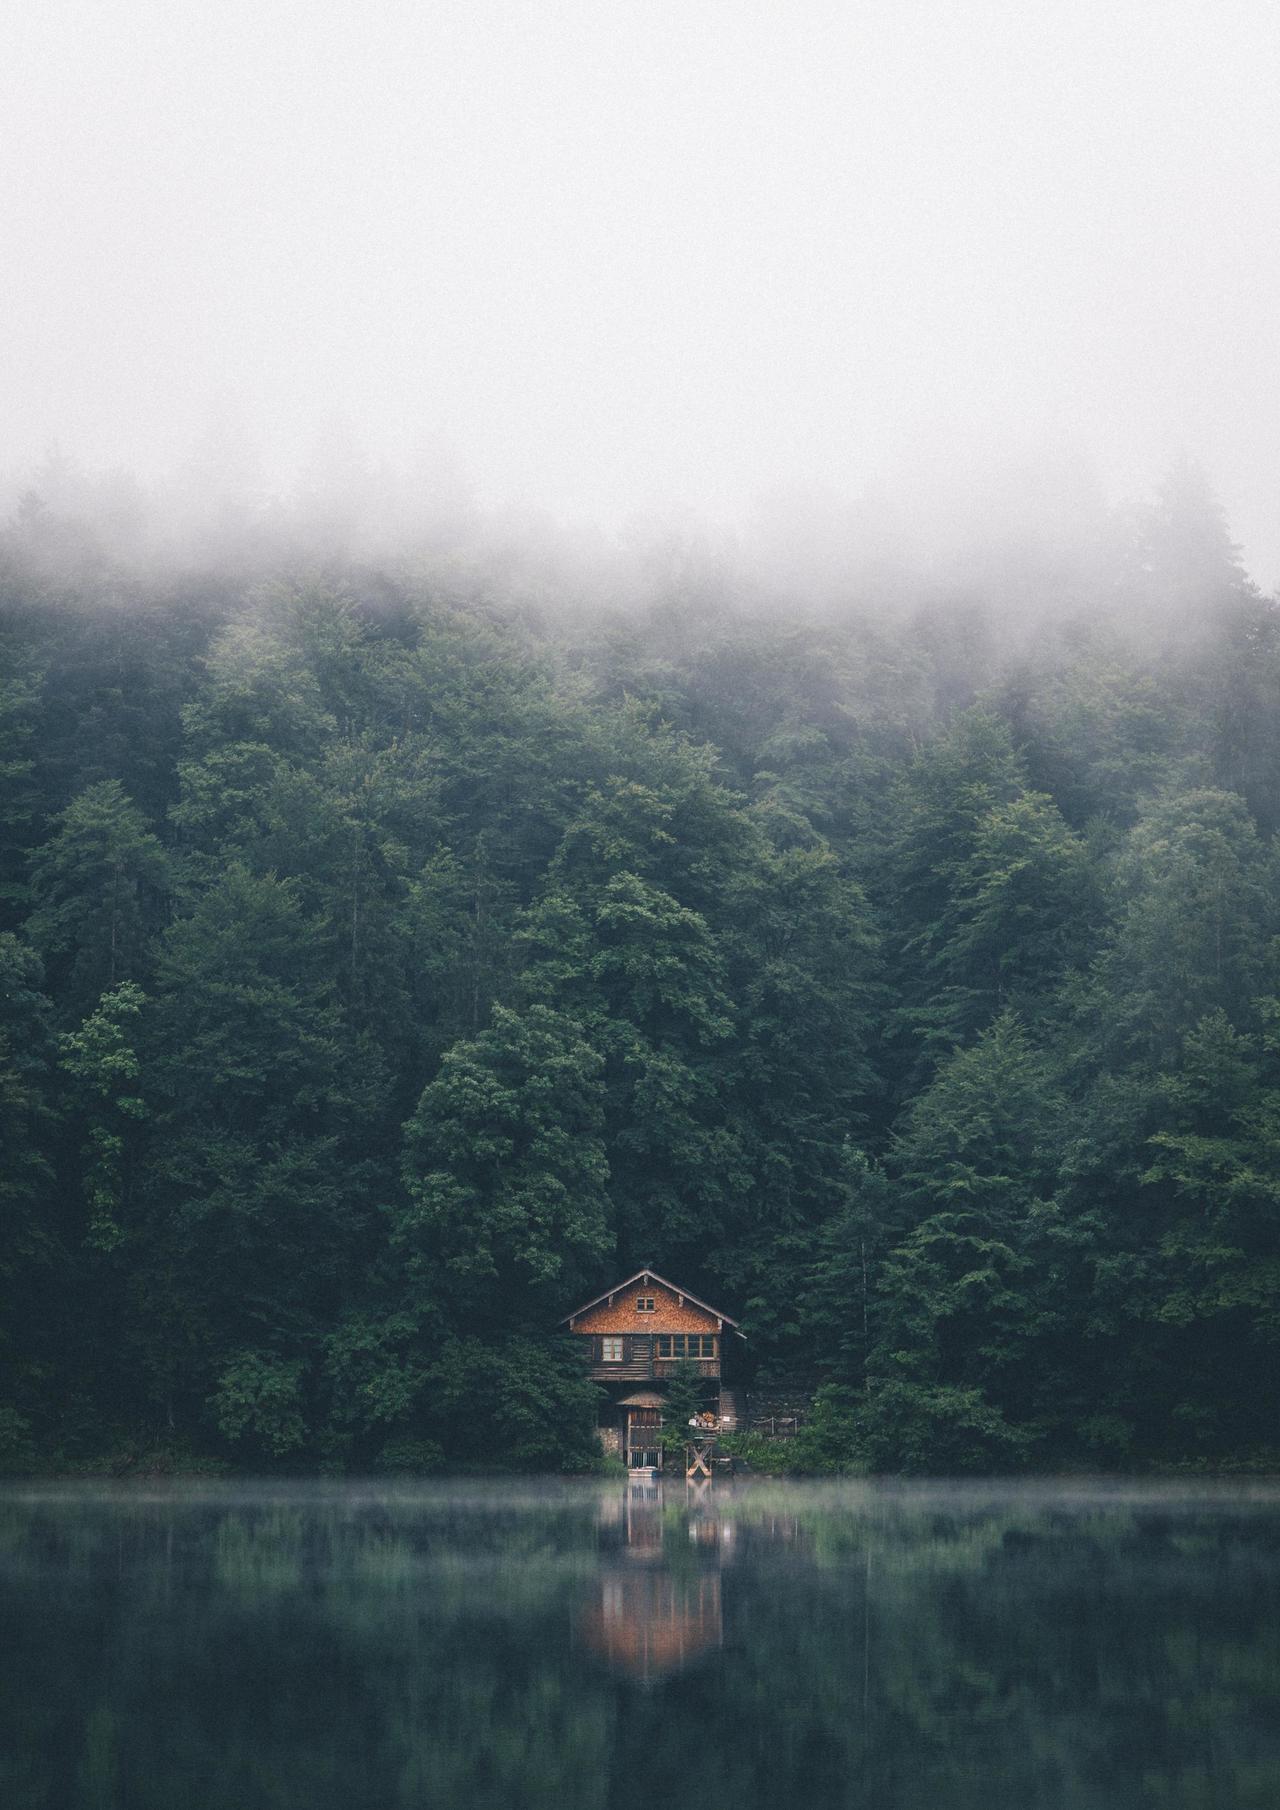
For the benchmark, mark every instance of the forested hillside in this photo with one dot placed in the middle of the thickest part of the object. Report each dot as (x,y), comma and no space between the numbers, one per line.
(395,951)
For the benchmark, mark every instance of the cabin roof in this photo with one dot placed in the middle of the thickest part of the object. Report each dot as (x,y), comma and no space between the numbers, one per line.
(651,1276)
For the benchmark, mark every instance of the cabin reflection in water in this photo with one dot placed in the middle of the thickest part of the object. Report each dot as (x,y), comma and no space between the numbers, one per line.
(651,1617)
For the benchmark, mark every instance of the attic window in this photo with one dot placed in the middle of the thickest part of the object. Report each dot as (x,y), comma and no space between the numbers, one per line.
(645,1304)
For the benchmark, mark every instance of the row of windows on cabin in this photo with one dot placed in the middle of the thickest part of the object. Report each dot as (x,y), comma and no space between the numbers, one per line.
(667,1344)
(686,1344)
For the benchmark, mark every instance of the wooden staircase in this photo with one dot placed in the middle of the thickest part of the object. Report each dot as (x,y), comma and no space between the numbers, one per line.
(731,1409)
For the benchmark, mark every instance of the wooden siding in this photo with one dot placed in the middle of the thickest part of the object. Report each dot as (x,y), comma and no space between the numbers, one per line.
(652,1370)
(669,1314)
(640,1361)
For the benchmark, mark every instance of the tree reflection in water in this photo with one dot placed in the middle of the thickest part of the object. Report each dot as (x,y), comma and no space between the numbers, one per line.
(509,1647)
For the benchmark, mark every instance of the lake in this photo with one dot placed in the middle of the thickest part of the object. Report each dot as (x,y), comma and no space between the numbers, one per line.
(595,1646)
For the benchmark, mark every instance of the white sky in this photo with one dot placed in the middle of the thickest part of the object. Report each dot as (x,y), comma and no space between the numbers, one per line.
(620,254)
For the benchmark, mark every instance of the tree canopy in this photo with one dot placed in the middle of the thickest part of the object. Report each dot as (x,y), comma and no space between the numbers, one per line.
(390,955)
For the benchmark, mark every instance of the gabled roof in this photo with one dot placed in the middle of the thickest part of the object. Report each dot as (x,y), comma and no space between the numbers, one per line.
(651,1276)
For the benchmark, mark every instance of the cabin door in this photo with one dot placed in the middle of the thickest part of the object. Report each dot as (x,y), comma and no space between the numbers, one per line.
(643,1450)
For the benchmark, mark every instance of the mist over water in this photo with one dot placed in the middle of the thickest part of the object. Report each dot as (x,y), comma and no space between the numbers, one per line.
(759,267)
(1058,1647)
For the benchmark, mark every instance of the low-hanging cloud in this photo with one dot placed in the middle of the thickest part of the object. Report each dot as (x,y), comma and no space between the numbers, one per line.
(605,261)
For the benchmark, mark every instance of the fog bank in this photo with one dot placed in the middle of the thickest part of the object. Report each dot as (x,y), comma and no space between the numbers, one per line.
(609,263)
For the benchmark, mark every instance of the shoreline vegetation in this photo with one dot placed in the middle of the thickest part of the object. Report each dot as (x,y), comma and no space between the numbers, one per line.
(392,946)
(758,1460)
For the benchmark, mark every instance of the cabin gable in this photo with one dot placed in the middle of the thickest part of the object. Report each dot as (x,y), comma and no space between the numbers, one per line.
(627,1311)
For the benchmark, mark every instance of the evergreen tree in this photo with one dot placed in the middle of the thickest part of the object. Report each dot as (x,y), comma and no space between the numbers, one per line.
(32,1255)
(392,958)
(265,1175)
(506,1172)
(99,888)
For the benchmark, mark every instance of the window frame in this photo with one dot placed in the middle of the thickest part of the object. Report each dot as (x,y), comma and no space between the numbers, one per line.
(612,1348)
(672,1346)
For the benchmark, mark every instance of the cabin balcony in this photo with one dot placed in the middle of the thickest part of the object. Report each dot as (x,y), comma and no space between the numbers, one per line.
(622,1373)
(650,1370)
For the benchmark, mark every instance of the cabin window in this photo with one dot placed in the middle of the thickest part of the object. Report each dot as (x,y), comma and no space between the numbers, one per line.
(645,1305)
(611,1350)
(686,1344)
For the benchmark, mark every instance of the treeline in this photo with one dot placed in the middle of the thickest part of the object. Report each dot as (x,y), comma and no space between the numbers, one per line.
(391,957)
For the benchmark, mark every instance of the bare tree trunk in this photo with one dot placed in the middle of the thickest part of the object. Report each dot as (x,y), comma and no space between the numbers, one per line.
(115,920)
(866,1335)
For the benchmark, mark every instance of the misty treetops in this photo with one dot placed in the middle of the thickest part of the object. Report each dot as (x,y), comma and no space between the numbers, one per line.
(392,956)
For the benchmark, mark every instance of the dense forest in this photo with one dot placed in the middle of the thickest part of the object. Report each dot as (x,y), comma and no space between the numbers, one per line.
(397,948)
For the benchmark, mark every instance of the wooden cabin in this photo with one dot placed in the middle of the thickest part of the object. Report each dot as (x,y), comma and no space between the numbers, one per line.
(638,1331)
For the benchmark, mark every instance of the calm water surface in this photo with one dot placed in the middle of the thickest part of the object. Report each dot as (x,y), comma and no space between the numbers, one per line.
(591,1647)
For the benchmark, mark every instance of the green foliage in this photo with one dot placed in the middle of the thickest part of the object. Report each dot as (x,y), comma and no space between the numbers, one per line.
(1195,902)
(620,941)
(840,1297)
(33,1254)
(1027,902)
(375,1370)
(752,1453)
(505,1166)
(26,1056)
(512,1403)
(984,1134)
(15,1440)
(686,1396)
(20,688)
(922,1428)
(258,1402)
(409,1457)
(830,1443)
(98,886)
(105,1069)
(388,962)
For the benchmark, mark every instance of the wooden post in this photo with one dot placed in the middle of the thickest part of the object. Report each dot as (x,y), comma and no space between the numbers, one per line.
(697,1461)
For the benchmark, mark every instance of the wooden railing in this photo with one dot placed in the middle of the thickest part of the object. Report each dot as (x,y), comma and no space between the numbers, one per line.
(648,1370)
